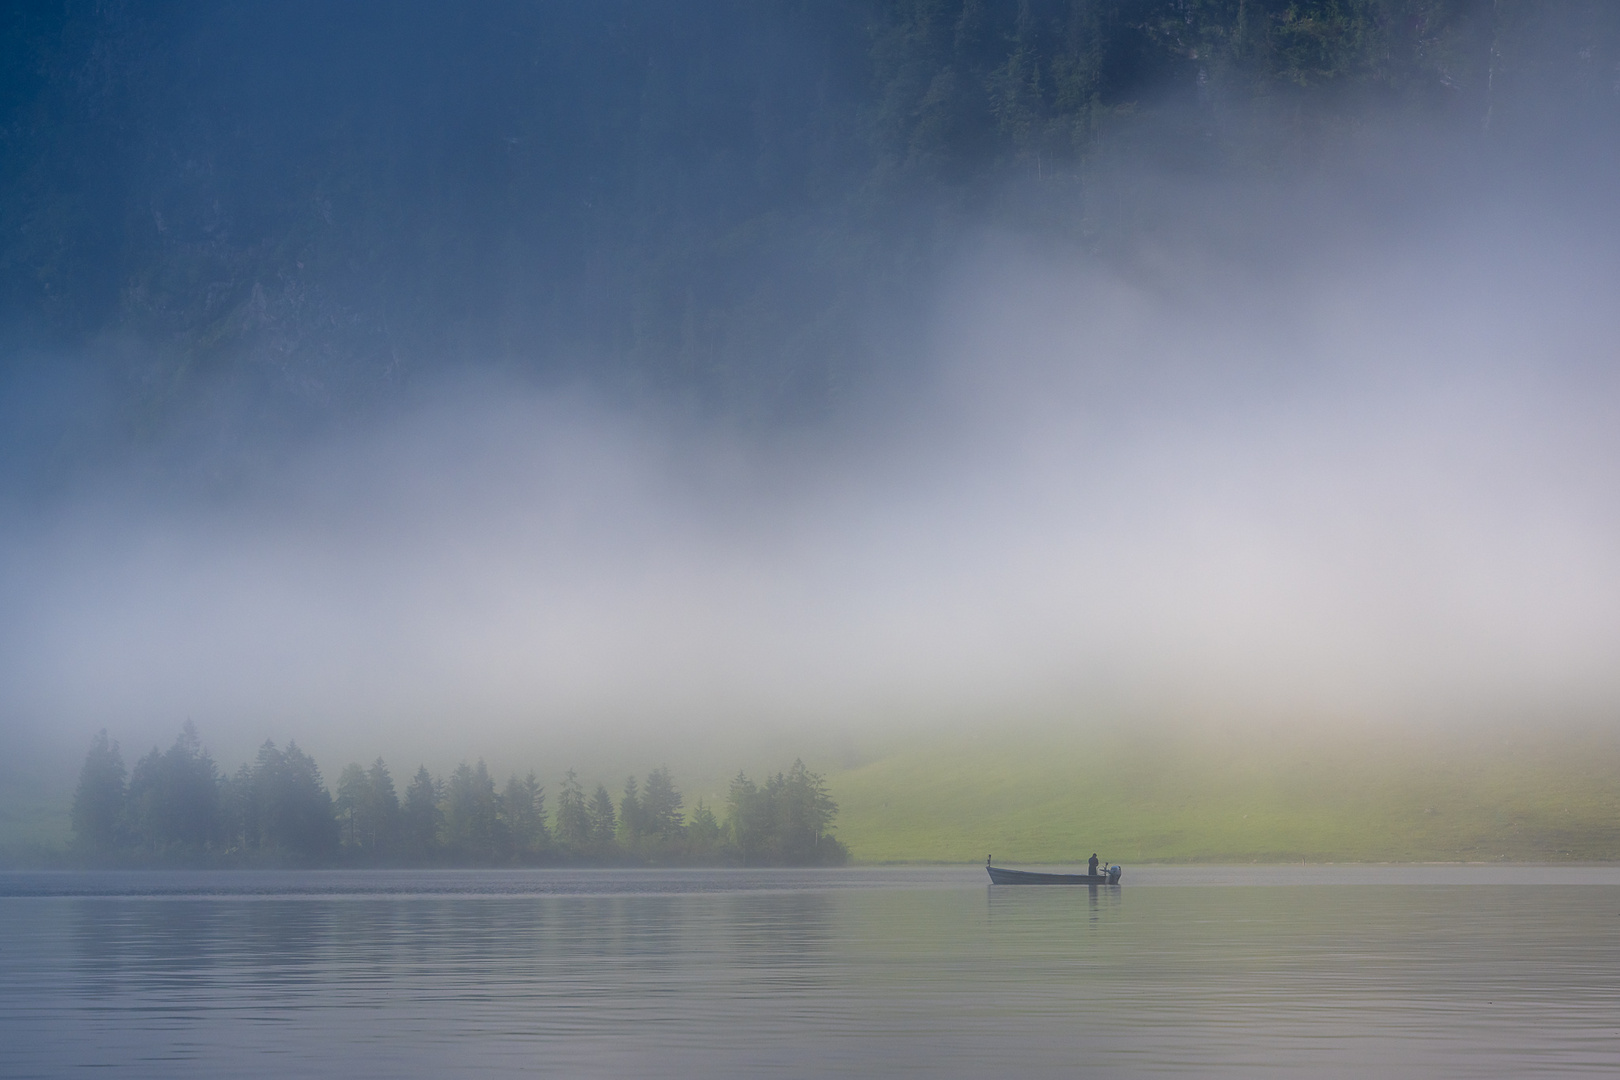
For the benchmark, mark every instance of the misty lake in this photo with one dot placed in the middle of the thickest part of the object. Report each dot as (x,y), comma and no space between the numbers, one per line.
(1420,971)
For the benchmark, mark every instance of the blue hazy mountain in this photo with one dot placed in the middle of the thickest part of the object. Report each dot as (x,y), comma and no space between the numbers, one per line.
(241,218)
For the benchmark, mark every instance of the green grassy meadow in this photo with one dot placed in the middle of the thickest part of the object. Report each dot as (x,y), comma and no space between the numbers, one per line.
(1236,797)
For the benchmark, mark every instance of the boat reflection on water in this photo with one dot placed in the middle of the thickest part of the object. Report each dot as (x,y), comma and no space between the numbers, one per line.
(1042,911)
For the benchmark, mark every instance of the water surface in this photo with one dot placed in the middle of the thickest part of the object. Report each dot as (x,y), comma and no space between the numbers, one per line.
(1285,971)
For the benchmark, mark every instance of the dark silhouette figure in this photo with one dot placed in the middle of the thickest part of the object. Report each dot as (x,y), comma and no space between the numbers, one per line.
(1091,867)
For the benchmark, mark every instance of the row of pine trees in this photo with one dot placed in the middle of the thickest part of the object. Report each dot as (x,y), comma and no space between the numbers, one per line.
(175,807)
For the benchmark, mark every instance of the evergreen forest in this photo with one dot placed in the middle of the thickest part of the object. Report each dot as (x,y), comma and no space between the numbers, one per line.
(176,808)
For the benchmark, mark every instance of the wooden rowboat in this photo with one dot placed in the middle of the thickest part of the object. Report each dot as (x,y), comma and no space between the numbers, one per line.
(1000,876)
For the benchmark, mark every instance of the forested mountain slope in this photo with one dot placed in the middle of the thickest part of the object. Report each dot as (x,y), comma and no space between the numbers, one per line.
(737,204)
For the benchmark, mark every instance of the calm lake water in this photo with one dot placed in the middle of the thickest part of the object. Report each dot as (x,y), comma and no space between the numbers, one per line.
(1320,971)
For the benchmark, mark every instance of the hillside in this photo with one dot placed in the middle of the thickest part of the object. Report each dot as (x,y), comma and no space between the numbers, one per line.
(1236,797)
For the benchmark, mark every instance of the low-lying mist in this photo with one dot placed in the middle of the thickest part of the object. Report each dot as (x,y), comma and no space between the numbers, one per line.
(1364,481)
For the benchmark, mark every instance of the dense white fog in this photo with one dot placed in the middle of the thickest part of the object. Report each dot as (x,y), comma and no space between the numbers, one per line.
(1371,483)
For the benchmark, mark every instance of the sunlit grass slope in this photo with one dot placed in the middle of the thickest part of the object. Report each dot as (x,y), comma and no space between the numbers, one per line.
(1235,797)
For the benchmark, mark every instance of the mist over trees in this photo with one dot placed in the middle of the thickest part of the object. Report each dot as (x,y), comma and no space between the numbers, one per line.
(741,204)
(226,226)
(177,808)
(788,821)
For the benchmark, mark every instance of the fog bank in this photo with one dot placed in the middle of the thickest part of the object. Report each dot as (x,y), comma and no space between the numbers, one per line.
(1367,485)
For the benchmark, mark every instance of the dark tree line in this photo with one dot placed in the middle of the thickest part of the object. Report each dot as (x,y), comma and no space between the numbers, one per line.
(787,822)
(176,806)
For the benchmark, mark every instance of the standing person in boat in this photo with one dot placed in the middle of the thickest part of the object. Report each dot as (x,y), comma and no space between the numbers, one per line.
(1091,867)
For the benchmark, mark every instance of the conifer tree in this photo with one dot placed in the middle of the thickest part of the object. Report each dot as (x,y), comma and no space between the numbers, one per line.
(748,817)
(703,832)
(603,826)
(788,822)
(295,813)
(98,802)
(352,787)
(419,817)
(523,808)
(804,815)
(174,797)
(632,822)
(472,825)
(239,810)
(379,818)
(661,807)
(573,821)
